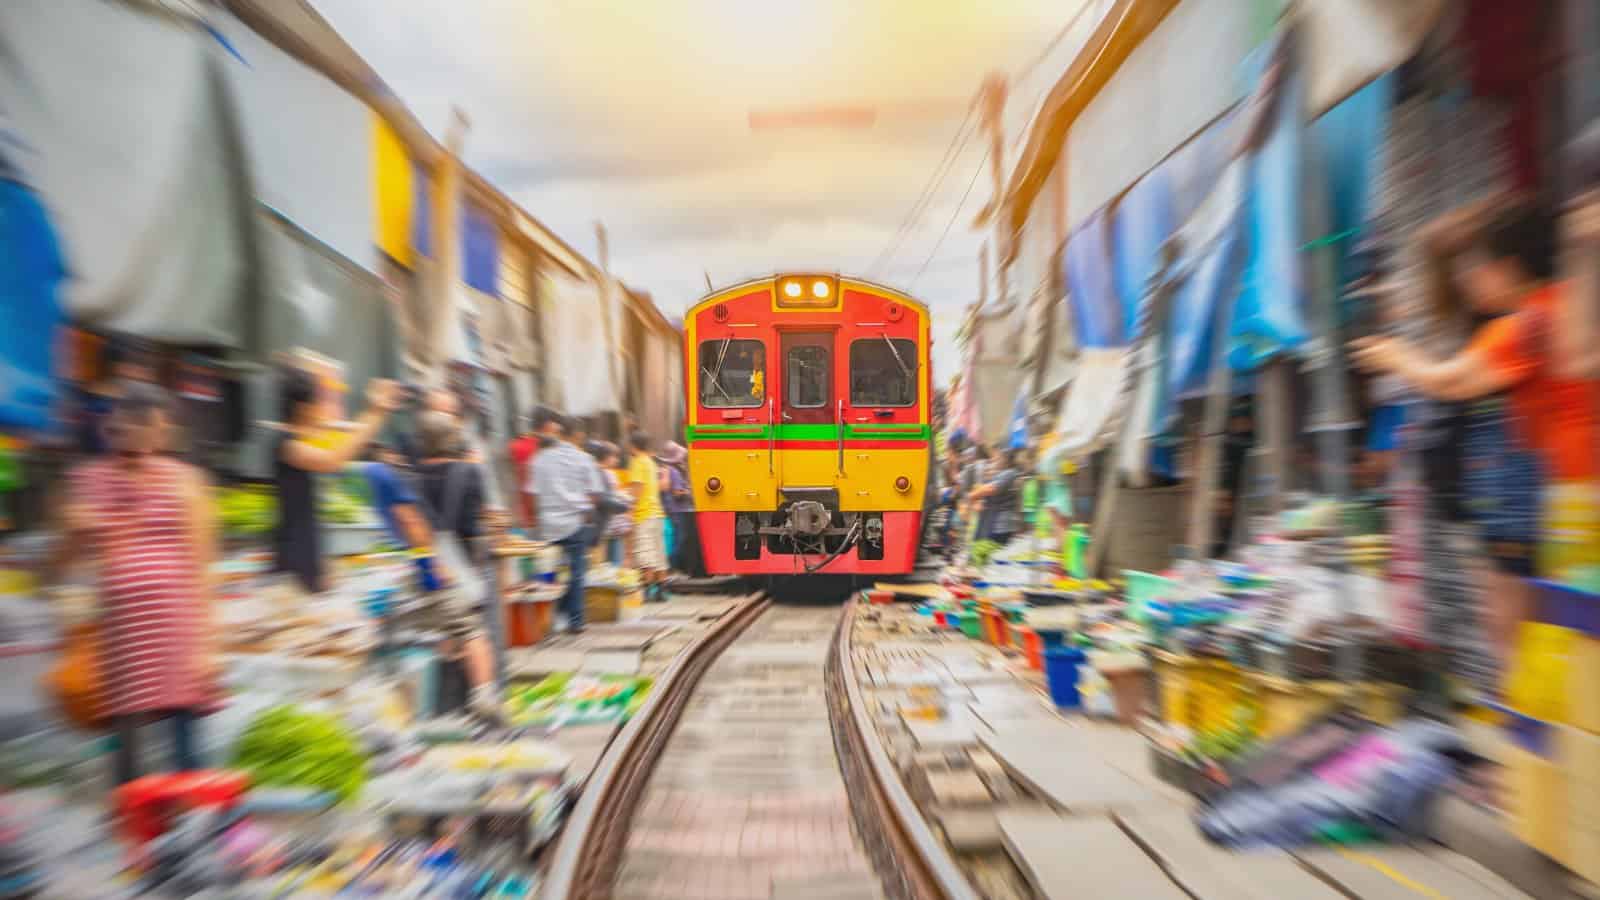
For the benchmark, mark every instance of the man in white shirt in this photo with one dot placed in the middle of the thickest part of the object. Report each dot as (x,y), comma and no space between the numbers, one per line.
(564,488)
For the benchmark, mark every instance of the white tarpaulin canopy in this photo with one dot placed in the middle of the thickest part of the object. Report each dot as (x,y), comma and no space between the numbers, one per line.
(580,364)
(993,348)
(1089,402)
(1347,43)
(127,129)
(308,142)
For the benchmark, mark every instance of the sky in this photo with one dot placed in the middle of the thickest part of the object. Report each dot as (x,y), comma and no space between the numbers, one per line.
(637,114)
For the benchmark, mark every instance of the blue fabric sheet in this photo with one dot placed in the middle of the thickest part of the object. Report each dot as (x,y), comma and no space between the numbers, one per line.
(1350,139)
(480,250)
(1141,224)
(31,271)
(1269,315)
(1097,318)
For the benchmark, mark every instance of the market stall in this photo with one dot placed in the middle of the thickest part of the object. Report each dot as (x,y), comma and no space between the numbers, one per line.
(343,753)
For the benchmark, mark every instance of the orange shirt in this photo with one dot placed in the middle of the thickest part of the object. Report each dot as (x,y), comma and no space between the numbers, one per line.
(1558,417)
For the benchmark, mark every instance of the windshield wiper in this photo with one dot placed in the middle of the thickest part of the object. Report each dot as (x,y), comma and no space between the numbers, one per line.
(904,369)
(717,383)
(716,374)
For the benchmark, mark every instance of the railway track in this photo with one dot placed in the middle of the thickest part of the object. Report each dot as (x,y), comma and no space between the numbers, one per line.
(756,772)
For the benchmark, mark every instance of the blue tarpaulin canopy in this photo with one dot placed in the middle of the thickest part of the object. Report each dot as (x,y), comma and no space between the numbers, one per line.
(1097,315)
(31,270)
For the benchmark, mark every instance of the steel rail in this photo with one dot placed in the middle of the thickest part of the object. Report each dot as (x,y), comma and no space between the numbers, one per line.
(585,859)
(915,863)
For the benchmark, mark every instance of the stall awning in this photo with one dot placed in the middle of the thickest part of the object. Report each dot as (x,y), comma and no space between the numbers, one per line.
(580,366)
(307,141)
(1148,78)
(1090,401)
(316,299)
(154,231)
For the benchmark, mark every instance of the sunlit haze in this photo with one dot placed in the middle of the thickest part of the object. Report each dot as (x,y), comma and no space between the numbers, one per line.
(638,114)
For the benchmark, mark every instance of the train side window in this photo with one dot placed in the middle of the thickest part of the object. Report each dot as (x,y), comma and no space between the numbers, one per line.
(805,376)
(733,374)
(883,372)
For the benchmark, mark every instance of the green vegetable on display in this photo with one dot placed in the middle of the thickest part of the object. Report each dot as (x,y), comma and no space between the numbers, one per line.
(288,747)
(982,550)
(247,510)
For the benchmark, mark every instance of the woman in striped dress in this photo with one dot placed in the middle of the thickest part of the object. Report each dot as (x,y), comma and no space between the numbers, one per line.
(146,522)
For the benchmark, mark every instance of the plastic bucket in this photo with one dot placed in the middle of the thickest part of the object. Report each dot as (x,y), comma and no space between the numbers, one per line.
(1061,674)
(528,621)
(994,625)
(970,625)
(1051,637)
(1032,647)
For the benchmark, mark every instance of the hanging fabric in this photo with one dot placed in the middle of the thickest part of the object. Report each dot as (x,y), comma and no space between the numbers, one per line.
(156,230)
(31,272)
(394,192)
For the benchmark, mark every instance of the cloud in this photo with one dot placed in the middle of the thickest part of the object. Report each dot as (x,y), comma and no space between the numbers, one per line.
(637,115)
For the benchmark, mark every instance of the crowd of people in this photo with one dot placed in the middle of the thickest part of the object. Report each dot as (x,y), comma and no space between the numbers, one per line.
(141,520)
(989,497)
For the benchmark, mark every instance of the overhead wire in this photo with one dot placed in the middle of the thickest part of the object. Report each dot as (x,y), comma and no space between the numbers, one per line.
(956,214)
(952,151)
(1055,41)
(958,142)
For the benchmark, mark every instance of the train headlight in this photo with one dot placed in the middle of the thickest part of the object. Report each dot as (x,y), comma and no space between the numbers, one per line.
(792,289)
(902,484)
(819,290)
(713,485)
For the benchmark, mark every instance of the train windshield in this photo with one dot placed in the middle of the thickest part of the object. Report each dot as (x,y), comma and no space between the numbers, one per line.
(883,372)
(732,373)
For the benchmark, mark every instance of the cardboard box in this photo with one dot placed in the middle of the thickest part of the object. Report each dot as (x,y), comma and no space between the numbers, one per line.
(1583,684)
(1536,803)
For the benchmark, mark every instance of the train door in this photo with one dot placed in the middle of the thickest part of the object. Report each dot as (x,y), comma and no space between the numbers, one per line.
(807,378)
(807,408)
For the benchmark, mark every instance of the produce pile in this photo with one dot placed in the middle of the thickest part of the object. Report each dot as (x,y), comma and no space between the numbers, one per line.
(286,746)
(343,500)
(565,698)
(247,510)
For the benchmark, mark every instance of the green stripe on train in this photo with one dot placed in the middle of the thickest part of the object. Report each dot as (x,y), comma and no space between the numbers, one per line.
(865,432)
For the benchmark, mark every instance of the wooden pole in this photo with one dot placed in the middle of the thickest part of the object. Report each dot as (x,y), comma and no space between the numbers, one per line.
(1213,431)
(440,311)
(1149,325)
(608,300)
(993,112)
(1277,434)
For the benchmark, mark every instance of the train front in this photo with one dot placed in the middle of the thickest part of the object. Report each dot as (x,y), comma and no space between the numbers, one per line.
(809,439)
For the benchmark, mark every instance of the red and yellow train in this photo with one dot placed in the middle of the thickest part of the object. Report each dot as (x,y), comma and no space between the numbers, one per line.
(809,403)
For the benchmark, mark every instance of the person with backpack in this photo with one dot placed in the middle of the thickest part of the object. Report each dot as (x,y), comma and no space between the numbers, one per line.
(615,521)
(450,490)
